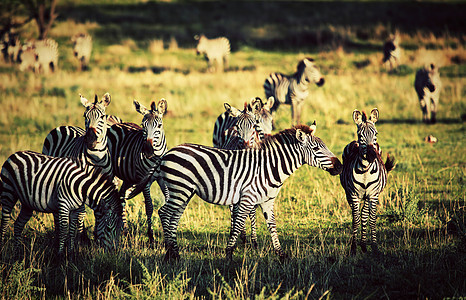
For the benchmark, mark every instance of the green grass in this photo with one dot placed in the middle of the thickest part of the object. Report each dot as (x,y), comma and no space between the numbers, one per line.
(421,220)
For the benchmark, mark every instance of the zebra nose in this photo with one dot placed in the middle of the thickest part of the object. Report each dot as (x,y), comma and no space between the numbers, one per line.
(147,149)
(321,82)
(91,138)
(336,168)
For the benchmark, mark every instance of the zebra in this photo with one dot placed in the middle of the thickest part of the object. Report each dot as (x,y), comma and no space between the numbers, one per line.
(293,89)
(391,52)
(88,145)
(82,48)
(245,127)
(364,176)
(427,84)
(135,152)
(243,178)
(11,47)
(60,186)
(45,59)
(245,130)
(214,50)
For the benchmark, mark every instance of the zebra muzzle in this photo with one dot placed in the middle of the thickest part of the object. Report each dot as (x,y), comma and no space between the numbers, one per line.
(147,149)
(320,82)
(90,138)
(336,168)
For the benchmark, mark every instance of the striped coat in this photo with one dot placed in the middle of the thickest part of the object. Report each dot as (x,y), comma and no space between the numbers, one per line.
(293,89)
(364,177)
(60,186)
(242,178)
(428,85)
(82,48)
(216,51)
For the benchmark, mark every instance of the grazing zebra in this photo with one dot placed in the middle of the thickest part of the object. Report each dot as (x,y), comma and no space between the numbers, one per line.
(60,186)
(428,85)
(46,56)
(11,46)
(82,48)
(214,50)
(364,176)
(89,145)
(391,51)
(293,89)
(245,127)
(243,178)
(135,152)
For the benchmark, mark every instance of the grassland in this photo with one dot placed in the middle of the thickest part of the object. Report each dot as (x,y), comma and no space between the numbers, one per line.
(421,220)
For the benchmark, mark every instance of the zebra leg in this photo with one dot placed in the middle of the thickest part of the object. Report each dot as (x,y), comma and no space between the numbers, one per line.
(6,217)
(243,208)
(75,218)
(433,110)
(296,108)
(372,218)
(354,203)
(267,209)
(124,192)
(425,110)
(252,217)
(63,220)
(234,213)
(364,218)
(24,215)
(149,212)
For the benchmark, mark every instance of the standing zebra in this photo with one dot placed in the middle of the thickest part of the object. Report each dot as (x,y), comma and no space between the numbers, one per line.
(293,89)
(45,59)
(391,51)
(214,50)
(89,145)
(247,125)
(245,130)
(82,48)
(243,178)
(135,152)
(60,186)
(364,176)
(428,85)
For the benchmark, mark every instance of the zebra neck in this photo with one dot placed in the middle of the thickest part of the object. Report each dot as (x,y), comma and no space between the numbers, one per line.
(279,164)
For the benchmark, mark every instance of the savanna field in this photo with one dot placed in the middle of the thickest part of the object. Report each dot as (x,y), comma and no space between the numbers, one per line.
(145,50)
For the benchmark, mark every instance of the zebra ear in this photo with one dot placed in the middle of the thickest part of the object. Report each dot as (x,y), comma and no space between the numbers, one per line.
(300,136)
(268,106)
(106,99)
(140,108)
(374,115)
(232,111)
(96,99)
(256,105)
(162,106)
(357,117)
(84,101)
(313,128)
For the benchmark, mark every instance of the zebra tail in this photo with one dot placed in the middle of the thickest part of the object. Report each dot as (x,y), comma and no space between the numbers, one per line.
(390,163)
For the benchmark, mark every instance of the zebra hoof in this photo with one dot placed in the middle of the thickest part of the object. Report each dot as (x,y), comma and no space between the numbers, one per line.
(172,255)
(229,254)
(283,256)
(364,248)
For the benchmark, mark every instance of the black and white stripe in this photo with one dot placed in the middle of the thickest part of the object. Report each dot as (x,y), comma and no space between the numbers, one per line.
(135,152)
(40,56)
(364,177)
(215,50)
(293,89)
(89,145)
(428,86)
(243,178)
(60,186)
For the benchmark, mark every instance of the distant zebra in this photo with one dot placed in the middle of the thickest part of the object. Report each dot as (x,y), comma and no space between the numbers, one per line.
(428,86)
(214,50)
(364,176)
(60,186)
(45,59)
(243,178)
(245,130)
(135,152)
(82,48)
(293,89)
(11,47)
(88,145)
(391,51)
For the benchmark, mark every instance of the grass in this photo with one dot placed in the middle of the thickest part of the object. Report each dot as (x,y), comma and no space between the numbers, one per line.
(421,220)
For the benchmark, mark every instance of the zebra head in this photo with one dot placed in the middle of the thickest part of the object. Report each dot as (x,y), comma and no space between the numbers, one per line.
(244,131)
(152,125)
(202,44)
(95,120)
(431,72)
(367,133)
(263,114)
(108,220)
(315,152)
(309,72)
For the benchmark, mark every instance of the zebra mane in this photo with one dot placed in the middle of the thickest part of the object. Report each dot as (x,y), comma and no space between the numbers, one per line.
(94,171)
(288,134)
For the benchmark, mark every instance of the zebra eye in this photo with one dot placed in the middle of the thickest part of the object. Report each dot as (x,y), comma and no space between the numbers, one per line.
(315,148)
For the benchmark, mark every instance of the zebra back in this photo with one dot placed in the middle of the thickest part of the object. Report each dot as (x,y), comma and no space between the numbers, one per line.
(82,48)
(47,55)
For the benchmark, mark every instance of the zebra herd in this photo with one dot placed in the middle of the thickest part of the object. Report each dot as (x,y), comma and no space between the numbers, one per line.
(245,170)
